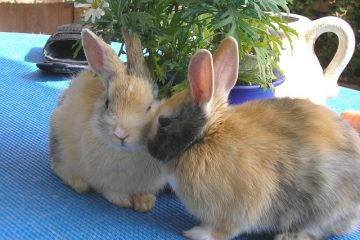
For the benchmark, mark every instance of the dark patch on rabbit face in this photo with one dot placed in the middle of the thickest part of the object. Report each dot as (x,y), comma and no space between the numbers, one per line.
(175,130)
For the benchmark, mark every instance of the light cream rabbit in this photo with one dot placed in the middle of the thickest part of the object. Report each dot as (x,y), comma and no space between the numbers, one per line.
(97,131)
(285,166)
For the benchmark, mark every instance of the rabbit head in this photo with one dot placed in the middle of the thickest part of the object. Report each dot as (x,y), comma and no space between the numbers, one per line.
(123,113)
(182,119)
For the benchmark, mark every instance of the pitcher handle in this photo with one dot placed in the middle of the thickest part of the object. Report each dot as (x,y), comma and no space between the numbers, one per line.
(343,53)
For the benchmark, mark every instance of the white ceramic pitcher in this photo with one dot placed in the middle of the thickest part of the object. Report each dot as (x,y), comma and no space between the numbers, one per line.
(304,76)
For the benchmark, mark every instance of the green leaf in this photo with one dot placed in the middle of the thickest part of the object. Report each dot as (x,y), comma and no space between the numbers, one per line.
(77,46)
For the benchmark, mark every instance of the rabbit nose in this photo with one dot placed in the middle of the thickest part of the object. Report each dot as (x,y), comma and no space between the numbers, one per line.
(121,134)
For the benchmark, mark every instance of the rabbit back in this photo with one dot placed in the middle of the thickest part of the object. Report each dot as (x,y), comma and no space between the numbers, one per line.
(315,157)
(276,165)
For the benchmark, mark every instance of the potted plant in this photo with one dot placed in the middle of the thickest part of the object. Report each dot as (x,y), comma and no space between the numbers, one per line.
(171,31)
(249,86)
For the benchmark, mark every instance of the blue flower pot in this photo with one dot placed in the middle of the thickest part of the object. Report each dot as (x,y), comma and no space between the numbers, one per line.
(242,94)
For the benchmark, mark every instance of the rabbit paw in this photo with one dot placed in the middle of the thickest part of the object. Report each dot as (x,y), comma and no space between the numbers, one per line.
(199,233)
(119,199)
(294,236)
(205,232)
(144,202)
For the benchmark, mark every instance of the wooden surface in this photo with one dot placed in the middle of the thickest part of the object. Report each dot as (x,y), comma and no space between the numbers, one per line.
(35,18)
(31,1)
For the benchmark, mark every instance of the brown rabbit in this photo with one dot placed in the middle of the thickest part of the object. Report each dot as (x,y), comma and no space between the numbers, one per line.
(98,130)
(286,166)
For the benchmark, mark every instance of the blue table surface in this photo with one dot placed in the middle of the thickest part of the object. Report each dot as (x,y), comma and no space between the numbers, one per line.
(34,203)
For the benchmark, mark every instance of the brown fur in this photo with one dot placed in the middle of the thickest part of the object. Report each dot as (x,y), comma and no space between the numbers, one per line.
(247,173)
(281,165)
(85,151)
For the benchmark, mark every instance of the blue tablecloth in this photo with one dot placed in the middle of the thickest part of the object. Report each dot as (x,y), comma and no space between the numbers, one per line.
(34,203)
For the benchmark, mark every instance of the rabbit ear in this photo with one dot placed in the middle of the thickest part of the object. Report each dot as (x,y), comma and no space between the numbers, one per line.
(201,77)
(101,58)
(226,65)
(135,56)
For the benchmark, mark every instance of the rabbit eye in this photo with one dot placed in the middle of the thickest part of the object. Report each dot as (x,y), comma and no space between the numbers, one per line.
(164,121)
(150,106)
(107,103)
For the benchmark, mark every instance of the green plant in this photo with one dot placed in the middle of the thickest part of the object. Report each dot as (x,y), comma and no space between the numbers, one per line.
(172,30)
